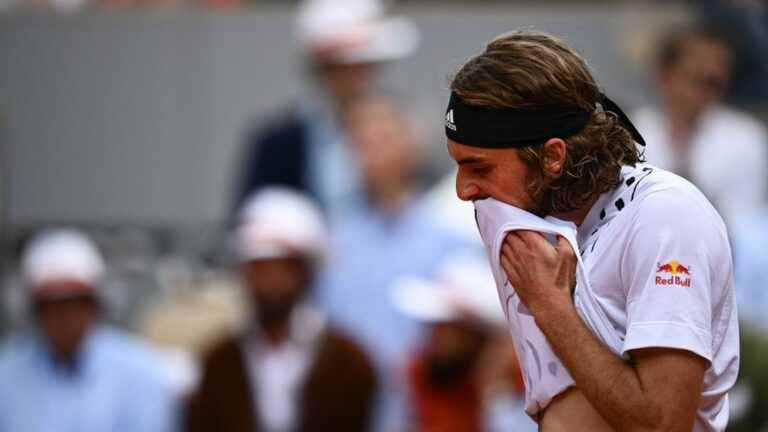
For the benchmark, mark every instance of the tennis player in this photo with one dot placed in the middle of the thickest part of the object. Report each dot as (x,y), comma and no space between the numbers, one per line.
(528,126)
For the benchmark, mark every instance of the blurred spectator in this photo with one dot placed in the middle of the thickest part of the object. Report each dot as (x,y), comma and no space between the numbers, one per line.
(291,371)
(72,373)
(380,236)
(464,377)
(721,150)
(346,42)
(750,396)
(749,240)
(747,21)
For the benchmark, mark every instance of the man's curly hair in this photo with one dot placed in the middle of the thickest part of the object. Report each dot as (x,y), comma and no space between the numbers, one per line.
(524,69)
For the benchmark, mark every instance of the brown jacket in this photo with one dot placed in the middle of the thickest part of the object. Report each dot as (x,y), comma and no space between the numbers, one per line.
(338,394)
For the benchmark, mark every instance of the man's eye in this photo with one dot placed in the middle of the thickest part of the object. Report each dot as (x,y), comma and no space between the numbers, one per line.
(480,171)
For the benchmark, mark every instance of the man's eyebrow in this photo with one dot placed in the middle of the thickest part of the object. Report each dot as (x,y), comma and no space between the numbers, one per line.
(470,160)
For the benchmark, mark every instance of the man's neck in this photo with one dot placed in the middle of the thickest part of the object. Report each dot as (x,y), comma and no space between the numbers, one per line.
(389,201)
(578,215)
(682,122)
(275,335)
(273,329)
(67,360)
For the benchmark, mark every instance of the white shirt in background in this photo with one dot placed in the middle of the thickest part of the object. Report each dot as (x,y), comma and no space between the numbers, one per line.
(278,372)
(728,157)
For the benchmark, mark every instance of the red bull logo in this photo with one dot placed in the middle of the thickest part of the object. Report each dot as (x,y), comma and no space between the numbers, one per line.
(674,273)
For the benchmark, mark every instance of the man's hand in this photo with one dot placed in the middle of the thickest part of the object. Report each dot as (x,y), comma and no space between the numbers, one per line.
(543,275)
(658,391)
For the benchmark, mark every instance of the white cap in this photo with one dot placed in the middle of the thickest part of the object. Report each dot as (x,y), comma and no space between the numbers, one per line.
(279,222)
(354,31)
(464,286)
(61,255)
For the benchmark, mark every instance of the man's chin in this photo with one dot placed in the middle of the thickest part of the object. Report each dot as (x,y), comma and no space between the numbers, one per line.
(274,313)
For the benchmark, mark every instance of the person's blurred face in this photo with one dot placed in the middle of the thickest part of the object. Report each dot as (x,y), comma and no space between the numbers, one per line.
(345,82)
(452,340)
(453,349)
(493,173)
(275,286)
(700,76)
(65,322)
(383,141)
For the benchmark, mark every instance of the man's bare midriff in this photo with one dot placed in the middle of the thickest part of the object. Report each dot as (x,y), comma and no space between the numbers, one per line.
(570,411)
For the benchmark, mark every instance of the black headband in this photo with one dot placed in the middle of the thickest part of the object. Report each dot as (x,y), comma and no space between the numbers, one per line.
(521,127)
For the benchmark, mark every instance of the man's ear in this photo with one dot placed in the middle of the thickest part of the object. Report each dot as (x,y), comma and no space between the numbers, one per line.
(553,155)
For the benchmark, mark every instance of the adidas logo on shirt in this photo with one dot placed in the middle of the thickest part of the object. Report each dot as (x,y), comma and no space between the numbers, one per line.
(449,123)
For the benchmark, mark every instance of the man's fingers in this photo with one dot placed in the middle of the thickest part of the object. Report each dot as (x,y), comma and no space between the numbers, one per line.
(535,240)
(511,238)
(527,236)
(509,269)
(514,240)
(509,257)
(510,250)
(564,247)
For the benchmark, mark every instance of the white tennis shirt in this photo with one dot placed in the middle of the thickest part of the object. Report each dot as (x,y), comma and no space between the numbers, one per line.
(543,374)
(659,267)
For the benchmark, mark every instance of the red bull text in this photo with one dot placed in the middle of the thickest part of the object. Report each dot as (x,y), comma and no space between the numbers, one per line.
(673,273)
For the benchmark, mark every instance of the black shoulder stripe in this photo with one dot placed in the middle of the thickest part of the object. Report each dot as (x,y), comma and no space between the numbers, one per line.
(648,171)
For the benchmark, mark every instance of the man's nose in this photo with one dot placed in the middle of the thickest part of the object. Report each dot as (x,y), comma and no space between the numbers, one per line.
(467,190)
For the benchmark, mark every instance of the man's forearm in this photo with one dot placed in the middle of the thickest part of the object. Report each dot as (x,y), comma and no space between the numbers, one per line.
(609,382)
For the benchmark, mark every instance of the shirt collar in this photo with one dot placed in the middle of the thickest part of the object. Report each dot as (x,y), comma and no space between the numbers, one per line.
(83,355)
(304,329)
(610,203)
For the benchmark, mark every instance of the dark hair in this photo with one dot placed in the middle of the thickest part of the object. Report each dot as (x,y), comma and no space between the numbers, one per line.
(524,69)
(672,45)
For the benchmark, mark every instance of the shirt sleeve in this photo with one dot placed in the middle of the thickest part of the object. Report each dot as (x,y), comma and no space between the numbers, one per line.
(667,274)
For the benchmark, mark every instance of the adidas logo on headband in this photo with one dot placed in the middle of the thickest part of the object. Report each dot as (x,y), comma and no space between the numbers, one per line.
(449,120)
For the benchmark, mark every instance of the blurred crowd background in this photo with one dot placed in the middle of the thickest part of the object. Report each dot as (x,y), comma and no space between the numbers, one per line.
(232,215)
